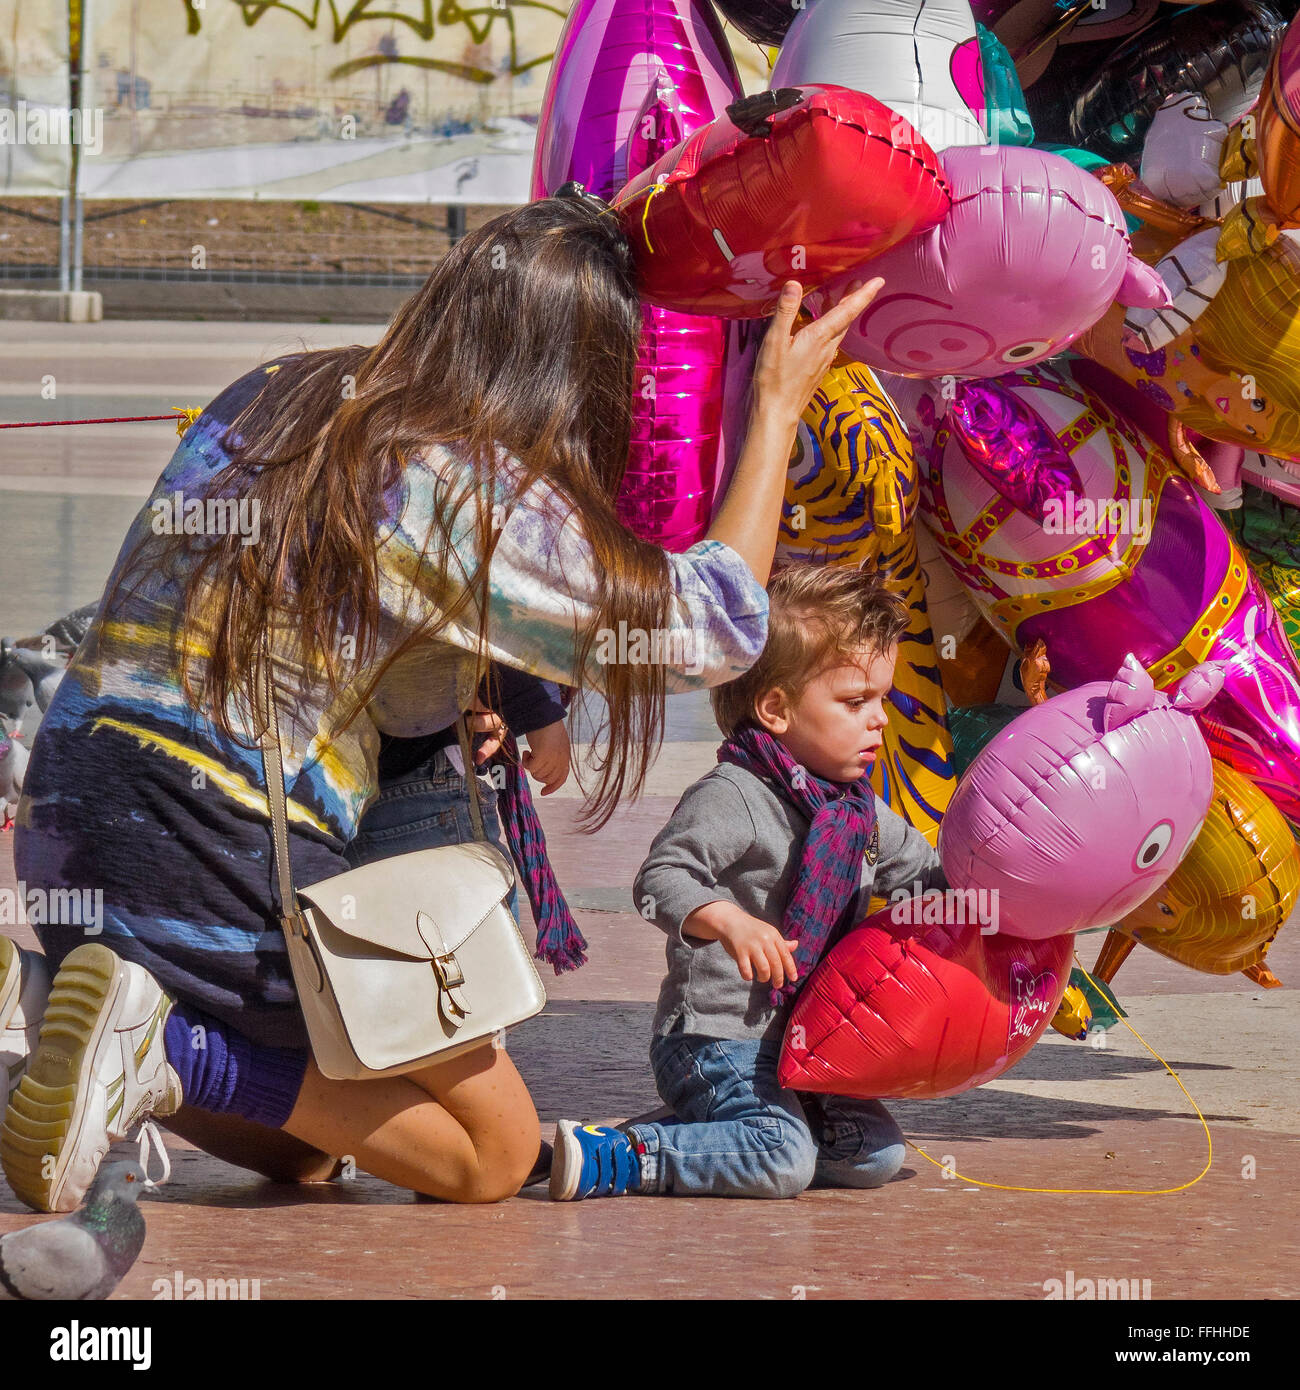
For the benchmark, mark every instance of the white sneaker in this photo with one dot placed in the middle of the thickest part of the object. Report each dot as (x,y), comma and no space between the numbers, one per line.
(24,988)
(99,1071)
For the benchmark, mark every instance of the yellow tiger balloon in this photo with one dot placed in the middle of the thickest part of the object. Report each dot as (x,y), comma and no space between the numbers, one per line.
(1223,904)
(851,500)
(852,485)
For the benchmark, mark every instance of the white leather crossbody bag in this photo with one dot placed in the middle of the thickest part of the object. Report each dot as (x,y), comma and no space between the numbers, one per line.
(406,961)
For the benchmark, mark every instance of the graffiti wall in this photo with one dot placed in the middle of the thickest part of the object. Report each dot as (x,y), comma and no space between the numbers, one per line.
(354,100)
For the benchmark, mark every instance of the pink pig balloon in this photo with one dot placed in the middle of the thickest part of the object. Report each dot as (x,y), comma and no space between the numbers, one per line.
(1084,805)
(1032,253)
(631,79)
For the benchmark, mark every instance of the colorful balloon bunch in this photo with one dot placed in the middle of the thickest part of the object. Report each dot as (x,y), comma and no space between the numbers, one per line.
(1028,177)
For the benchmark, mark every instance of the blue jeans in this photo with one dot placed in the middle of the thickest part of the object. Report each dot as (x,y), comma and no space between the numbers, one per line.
(737,1132)
(423,809)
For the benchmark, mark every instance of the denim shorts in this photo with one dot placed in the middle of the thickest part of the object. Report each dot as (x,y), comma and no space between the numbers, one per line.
(425,808)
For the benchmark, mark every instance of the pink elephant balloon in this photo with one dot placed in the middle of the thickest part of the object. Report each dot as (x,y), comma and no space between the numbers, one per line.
(1130,559)
(1032,253)
(1083,806)
(631,79)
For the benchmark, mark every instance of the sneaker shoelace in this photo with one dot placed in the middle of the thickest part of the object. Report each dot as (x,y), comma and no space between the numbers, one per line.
(150,1138)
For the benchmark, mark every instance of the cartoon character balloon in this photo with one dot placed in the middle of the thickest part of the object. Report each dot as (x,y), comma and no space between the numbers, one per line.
(631,79)
(1121,780)
(1233,375)
(922,999)
(1222,906)
(851,499)
(920,57)
(804,182)
(1128,559)
(1032,254)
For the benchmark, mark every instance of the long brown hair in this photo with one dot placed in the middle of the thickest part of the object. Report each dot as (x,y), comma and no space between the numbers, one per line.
(524,337)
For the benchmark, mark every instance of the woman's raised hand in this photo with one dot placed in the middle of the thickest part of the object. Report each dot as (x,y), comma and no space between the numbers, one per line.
(791,364)
(789,369)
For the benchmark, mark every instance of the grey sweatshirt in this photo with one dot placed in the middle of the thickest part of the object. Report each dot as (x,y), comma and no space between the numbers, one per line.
(732,838)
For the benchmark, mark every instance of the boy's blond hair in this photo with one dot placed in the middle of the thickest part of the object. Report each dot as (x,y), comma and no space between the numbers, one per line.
(818,615)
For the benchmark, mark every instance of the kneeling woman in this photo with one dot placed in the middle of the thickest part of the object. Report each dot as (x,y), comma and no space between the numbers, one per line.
(416,509)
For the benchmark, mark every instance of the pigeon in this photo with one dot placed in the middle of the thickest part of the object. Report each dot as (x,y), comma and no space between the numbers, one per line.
(13,767)
(32,667)
(44,675)
(67,631)
(82,1256)
(16,694)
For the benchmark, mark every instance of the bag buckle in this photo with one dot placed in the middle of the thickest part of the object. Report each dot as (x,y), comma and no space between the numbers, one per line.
(450,978)
(447,968)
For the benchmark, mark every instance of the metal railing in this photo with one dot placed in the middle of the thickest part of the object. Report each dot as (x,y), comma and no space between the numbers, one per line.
(391,248)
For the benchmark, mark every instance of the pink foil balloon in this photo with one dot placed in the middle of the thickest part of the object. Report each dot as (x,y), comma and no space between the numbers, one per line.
(1084,805)
(631,79)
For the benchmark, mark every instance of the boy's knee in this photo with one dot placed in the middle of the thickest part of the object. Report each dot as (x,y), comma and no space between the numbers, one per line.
(877,1169)
(789,1164)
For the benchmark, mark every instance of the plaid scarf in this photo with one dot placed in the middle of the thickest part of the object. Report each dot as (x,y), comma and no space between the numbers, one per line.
(843,824)
(559,941)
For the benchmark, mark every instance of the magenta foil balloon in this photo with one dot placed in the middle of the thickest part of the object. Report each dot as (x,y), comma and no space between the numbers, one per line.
(631,79)
(1009,444)
(611,55)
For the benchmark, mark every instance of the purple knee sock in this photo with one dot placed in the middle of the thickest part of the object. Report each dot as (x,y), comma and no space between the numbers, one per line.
(224,1072)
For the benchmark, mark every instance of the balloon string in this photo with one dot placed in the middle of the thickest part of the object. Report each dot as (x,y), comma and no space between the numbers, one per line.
(645,212)
(1100,1191)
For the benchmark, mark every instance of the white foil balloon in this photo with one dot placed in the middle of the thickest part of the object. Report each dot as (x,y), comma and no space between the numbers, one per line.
(920,57)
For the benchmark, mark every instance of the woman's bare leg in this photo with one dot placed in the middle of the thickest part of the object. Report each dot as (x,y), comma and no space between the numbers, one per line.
(270,1152)
(464,1130)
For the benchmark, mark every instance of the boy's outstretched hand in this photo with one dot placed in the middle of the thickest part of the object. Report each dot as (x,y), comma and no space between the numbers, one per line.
(547,758)
(759,950)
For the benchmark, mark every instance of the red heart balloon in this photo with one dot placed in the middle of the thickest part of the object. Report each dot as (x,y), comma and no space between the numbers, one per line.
(798,184)
(920,1010)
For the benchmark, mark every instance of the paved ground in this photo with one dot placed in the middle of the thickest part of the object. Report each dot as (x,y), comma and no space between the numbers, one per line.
(1070,1116)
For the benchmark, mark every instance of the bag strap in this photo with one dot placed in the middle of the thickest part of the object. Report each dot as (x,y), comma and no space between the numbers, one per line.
(471,777)
(273,772)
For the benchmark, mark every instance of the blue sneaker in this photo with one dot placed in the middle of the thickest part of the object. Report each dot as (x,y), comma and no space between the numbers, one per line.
(592,1161)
